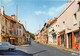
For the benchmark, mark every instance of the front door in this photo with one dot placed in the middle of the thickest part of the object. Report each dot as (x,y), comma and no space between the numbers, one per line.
(58,41)
(70,40)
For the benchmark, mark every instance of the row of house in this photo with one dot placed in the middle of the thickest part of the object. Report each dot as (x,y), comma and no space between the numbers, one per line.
(11,30)
(64,29)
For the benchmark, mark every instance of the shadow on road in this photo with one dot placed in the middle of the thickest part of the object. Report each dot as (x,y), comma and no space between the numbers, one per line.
(39,52)
(16,52)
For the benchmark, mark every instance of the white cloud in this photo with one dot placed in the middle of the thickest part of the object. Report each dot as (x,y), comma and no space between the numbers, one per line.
(51,11)
(6,1)
(39,12)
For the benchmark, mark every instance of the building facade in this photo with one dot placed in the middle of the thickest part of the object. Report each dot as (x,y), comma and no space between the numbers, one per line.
(52,32)
(11,29)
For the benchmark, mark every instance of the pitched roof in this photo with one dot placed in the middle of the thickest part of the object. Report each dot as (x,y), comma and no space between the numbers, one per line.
(66,9)
(52,21)
(9,17)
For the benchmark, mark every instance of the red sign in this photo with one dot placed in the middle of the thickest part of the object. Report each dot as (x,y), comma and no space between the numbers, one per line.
(12,29)
(12,38)
(77,46)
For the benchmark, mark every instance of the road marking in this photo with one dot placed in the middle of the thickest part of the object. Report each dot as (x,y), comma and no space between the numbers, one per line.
(74,54)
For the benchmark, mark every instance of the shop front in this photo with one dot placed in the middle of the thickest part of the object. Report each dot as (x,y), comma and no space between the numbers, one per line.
(61,39)
(75,35)
(54,35)
(9,38)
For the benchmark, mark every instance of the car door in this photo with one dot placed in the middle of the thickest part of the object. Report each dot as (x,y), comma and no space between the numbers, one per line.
(5,46)
(0,46)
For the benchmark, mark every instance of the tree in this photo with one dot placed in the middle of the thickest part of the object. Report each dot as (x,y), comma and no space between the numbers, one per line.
(32,36)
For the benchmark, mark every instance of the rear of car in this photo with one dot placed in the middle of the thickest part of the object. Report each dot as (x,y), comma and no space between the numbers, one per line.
(6,46)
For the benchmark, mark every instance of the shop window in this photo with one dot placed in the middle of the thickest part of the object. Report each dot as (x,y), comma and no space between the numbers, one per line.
(54,35)
(76,37)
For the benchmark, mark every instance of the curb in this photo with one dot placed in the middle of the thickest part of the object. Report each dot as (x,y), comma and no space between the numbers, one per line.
(62,48)
(22,45)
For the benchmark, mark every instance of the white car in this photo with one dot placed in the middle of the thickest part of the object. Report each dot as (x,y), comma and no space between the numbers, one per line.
(6,46)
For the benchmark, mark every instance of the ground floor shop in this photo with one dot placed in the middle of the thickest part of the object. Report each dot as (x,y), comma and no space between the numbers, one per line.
(68,40)
(61,39)
(15,40)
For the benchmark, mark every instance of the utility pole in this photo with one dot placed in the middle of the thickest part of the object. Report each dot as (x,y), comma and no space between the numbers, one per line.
(25,25)
(16,12)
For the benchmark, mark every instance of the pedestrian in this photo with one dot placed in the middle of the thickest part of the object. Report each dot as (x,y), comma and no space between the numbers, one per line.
(29,42)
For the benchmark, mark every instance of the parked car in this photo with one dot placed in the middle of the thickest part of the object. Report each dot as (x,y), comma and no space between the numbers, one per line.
(6,46)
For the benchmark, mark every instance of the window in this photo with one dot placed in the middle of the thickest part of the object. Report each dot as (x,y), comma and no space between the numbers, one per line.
(74,20)
(63,24)
(20,32)
(17,32)
(3,27)
(12,25)
(54,35)
(58,25)
(6,22)
(6,30)
(4,44)
(19,27)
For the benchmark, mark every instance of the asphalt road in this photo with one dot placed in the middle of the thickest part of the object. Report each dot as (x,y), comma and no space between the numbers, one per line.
(36,49)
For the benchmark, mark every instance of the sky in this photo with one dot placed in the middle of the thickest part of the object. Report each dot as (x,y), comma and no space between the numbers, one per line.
(34,13)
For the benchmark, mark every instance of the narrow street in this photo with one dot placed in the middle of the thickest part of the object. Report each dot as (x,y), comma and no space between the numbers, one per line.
(37,50)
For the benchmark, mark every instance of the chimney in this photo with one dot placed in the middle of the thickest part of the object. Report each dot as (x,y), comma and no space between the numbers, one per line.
(13,16)
(68,2)
(2,10)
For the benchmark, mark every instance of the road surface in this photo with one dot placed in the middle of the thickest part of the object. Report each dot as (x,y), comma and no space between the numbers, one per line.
(36,49)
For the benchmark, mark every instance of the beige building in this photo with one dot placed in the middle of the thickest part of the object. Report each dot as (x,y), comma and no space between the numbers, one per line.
(37,36)
(68,25)
(52,32)
(11,29)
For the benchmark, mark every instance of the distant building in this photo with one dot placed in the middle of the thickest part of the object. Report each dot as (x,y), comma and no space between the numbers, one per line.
(52,32)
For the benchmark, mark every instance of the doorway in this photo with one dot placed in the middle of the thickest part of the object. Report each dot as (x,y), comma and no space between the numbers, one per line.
(70,40)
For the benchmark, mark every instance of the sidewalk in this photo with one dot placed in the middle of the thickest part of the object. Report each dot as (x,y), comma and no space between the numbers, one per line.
(63,48)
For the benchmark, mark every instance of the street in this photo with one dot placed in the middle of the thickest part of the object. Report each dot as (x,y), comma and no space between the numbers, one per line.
(36,49)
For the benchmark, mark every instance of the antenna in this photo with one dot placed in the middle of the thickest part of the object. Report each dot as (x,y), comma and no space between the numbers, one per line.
(25,24)
(16,12)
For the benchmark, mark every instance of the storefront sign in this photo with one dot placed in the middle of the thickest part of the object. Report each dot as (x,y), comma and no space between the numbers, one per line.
(12,38)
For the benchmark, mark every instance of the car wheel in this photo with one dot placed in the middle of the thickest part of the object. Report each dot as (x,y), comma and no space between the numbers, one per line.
(10,49)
